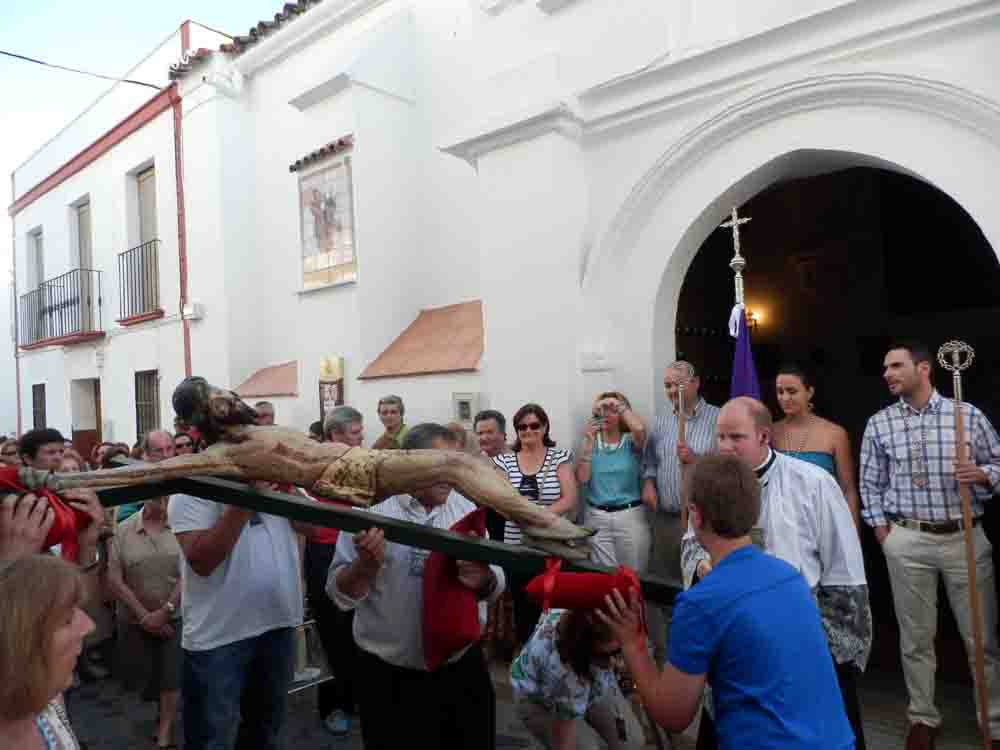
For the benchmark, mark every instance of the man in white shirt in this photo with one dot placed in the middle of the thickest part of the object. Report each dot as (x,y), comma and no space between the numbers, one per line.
(401,702)
(242,597)
(805,521)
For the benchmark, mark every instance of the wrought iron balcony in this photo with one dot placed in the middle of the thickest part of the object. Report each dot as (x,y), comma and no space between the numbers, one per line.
(65,309)
(139,283)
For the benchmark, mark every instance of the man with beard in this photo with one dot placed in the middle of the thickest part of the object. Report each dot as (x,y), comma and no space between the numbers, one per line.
(910,480)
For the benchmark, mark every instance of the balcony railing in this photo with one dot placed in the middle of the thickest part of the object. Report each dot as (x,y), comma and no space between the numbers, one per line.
(66,306)
(139,281)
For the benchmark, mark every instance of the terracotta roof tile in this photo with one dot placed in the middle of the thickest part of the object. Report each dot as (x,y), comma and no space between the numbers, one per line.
(241,44)
(330,149)
(442,339)
(277,380)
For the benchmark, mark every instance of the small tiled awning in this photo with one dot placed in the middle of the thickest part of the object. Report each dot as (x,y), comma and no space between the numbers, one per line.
(443,339)
(277,380)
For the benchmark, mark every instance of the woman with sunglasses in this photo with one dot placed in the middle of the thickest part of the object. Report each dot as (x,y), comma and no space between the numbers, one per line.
(544,474)
(609,470)
(9,453)
(184,444)
(565,674)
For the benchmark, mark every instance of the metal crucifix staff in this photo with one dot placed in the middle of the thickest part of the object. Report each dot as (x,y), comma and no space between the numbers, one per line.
(738,263)
(956,356)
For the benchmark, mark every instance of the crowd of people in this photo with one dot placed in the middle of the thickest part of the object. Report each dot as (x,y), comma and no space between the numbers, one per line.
(758,521)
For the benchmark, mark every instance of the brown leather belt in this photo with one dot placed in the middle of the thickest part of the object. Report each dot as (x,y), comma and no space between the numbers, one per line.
(932,527)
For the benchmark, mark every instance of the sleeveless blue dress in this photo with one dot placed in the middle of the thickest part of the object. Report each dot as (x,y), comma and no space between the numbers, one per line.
(818,458)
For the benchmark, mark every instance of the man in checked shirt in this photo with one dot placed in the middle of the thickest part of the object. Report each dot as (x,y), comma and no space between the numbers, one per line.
(909,491)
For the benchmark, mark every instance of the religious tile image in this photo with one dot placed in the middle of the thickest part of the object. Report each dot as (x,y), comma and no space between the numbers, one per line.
(326,207)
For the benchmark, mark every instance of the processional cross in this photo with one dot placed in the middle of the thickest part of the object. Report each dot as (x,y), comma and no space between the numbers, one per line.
(738,263)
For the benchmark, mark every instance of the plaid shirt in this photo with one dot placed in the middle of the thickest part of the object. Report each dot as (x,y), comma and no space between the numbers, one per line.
(891,455)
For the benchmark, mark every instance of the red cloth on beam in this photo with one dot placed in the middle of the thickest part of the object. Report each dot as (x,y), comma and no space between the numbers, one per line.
(68,522)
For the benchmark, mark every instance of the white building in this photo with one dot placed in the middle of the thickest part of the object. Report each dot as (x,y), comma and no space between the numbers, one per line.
(481,203)
(355,162)
(97,258)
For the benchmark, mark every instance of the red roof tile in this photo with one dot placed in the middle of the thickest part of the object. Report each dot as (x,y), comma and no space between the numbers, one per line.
(442,339)
(330,149)
(277,380)
(241,44)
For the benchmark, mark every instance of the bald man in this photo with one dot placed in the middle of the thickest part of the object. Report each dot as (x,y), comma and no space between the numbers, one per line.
(805,521)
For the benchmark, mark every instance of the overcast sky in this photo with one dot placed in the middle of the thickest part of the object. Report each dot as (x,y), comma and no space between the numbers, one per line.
(104,36)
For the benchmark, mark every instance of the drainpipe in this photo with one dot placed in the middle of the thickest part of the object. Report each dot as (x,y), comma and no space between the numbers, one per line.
(175,102)
(13,302)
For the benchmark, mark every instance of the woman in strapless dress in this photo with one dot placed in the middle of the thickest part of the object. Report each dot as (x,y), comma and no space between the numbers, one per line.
(804,435)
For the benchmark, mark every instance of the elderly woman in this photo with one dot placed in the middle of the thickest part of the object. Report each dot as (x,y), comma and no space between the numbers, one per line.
(40,641)
(9,453)
(544,474)
(608,467)
(564,675)
(144,575)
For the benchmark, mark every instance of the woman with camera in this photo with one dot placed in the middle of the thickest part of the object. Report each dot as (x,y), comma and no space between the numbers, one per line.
(608,467)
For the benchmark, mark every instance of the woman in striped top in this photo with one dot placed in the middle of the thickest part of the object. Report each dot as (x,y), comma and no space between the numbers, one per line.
(544,474)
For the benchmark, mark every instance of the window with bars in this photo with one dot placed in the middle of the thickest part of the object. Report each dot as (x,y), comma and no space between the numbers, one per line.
(38,405)
(147,401)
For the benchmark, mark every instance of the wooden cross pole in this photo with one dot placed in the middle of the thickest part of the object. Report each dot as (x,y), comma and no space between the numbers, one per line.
(956,356)
(517,558)
(682,440)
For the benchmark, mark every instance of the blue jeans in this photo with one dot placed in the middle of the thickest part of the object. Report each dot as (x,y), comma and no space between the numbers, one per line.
(245,682)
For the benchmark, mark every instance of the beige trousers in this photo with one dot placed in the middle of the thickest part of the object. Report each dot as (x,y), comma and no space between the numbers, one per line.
(664,562)
(915,560)
(623,537)
(599,722)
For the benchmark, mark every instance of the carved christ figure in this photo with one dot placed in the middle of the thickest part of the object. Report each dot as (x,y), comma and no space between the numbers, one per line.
(243,451)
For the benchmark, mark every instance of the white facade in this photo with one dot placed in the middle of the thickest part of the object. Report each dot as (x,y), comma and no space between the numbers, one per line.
(108,184)
(562,160)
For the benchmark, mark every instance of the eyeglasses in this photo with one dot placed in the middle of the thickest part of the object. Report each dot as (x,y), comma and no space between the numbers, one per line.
(8,453)
(525,426)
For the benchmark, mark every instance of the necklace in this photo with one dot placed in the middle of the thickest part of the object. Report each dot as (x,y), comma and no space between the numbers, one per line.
(919,473)
(607,447)
(805,437)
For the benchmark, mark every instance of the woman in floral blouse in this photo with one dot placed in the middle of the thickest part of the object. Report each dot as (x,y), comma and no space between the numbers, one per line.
(564,674)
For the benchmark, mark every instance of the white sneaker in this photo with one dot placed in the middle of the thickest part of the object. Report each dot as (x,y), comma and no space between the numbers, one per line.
(338,723)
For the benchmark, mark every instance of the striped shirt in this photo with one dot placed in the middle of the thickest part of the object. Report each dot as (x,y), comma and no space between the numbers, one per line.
(542,488)
(659,458)
(904,448)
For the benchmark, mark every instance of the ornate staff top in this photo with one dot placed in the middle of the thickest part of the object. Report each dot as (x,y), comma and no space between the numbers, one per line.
(956,356)
(738,263)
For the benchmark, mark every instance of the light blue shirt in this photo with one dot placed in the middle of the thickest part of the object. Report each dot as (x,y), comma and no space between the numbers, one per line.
(614,474)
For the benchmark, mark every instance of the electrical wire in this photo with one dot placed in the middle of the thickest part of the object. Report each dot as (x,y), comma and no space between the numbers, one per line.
(75,70)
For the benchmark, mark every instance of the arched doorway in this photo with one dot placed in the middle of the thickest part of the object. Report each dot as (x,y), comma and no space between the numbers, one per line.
(784,128)
(839,265)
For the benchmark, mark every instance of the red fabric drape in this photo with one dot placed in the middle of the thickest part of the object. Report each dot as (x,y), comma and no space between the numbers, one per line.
(68,521)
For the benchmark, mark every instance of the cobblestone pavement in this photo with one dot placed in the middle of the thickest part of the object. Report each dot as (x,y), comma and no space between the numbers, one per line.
(106,718)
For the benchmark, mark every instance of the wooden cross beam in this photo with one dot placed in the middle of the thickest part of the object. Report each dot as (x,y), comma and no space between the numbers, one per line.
(513,558)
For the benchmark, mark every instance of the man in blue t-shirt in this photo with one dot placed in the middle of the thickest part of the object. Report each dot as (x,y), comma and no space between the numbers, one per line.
(750,629)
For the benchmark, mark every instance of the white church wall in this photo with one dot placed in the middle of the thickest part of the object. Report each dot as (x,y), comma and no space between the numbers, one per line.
(207,233)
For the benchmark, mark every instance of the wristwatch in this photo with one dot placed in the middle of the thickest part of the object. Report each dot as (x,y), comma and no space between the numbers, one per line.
(170,607)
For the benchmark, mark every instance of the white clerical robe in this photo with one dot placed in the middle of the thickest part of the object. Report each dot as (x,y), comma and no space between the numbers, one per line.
(805,521)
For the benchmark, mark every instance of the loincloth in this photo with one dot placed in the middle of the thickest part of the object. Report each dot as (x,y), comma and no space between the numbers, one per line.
(352,477)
